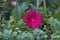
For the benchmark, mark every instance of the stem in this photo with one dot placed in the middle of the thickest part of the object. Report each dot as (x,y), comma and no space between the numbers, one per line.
(0,21)
(45,9)
(48,26)
(16,16)
(37,4)
(2,15)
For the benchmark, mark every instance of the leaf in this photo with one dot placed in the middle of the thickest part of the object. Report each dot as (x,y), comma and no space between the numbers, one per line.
(1,35)
(57,15)
(27,36)
(56,2)
(55,23)
(39,3)
(15,13)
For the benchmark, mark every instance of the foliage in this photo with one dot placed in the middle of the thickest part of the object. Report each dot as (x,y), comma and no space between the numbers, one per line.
(13,26)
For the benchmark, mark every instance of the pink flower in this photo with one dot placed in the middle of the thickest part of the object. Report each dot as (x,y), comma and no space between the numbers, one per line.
(33,19)
(13,3)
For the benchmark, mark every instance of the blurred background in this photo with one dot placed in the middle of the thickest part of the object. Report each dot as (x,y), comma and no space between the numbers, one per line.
(11,18)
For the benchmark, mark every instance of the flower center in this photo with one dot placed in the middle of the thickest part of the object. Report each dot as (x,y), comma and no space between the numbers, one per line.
(33,19)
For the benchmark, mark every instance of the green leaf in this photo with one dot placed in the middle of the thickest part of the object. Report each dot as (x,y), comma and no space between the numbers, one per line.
(55,24)
(57,15)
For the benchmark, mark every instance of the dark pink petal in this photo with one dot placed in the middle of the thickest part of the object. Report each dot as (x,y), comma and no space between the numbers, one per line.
(33,19)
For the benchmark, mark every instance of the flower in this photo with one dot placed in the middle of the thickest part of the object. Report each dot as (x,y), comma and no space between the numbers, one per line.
(33,19)
(13,3)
